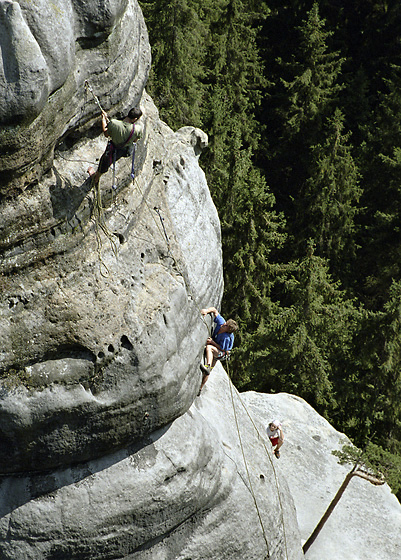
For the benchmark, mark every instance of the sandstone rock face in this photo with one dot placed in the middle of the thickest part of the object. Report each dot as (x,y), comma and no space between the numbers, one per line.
(103,453)
(102,335)
(185,492)
(48,51)
(106,453)
(366,523)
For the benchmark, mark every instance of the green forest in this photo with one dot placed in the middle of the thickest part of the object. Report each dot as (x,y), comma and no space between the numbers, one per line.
(301,101)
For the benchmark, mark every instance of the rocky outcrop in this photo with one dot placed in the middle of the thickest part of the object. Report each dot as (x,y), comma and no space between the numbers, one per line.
(185,492)
(366,523)
(48,51)
(102,337)
(105,450)
(103,453)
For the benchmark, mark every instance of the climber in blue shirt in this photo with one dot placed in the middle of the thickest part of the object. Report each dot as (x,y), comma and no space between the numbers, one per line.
(218,346)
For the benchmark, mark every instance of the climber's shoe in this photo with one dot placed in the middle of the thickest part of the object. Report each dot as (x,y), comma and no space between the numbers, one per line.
(277,453)
(206,369)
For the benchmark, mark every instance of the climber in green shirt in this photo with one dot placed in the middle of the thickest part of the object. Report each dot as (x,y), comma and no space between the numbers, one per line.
(122,134)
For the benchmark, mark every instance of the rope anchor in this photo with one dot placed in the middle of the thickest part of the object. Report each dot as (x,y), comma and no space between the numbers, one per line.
(162,223)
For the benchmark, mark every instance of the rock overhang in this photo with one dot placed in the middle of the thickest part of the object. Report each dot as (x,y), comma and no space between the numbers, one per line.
(43,73)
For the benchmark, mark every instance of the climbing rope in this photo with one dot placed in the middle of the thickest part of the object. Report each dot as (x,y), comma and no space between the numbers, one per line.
(59,154)
(163,233)
(268,455)
(247,471)
(89,88)
(100,225)
(98,210)
(156,209)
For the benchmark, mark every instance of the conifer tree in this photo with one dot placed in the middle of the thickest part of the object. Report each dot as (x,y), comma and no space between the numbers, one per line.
(177,35)
(380,237)
(326,211)
(309,339)
(390,370)
(299,331)
(303,93)
(369,400)
(374,461)
(315,77)
(251,229)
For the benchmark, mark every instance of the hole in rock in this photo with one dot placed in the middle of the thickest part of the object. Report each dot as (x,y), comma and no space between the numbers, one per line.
(125,343)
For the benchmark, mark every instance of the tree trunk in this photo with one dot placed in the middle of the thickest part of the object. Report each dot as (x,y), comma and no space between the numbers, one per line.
(328,511)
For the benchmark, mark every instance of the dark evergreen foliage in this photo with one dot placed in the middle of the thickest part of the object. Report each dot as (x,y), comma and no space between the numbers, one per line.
(301,101)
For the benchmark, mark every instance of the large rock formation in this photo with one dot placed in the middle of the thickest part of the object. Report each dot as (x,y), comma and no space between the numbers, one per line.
(95,326)
(101,454)
(102,337)
(105,451)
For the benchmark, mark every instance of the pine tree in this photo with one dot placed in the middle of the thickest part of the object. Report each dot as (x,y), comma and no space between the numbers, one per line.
(299,331)
(252,233)
(302,94)
(177,34)
(380,238)
(390,369)
(369,395)
(251,229)
(328,202)
(374,460)
(309,338)
(315,77)
(235,79)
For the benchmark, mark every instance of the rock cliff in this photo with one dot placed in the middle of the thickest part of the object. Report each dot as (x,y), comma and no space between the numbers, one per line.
(105,450)
(103,453)
(366,523)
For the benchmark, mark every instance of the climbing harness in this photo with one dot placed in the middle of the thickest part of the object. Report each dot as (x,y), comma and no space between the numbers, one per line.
(225,357)
(133,161)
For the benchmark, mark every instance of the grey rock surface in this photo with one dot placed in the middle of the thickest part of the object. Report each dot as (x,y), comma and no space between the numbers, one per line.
(366,523)
(106,453)
(101,338)
(48,51)
(184,493)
